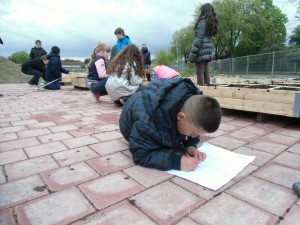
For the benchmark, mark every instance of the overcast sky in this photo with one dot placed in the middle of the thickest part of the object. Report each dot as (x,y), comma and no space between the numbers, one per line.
(76,26)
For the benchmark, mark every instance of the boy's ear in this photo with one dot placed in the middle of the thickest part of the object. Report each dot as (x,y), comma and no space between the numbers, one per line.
(181,115)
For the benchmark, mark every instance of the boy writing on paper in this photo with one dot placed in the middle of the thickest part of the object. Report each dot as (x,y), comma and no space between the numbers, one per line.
(165,116)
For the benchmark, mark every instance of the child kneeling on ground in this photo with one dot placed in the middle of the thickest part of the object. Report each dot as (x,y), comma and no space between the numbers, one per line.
(167,116)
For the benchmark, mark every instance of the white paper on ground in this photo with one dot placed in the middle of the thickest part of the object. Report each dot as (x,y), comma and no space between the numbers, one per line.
(219,167)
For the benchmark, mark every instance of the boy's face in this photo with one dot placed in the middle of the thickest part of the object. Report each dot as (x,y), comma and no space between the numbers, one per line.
(119,36)
(38,45)
(186,128)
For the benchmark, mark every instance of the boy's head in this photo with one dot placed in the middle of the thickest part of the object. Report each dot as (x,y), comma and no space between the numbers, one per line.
(44,59)
(38,44)
(199,114)
(119,32)
(55,50)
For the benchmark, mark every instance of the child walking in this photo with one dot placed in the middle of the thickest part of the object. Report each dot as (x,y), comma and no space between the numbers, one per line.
(97,76)
(126,72)
(201,52)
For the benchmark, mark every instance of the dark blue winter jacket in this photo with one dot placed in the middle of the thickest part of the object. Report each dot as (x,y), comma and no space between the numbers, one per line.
(149,122)
(93,74)
(54,68)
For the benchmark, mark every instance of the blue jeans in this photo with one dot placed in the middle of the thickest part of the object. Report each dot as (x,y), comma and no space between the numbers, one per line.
(53,86)
(99,87)
(36,76)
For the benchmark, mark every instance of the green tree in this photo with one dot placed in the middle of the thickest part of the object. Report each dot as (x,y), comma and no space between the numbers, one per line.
(264,29)
(164,58)
(295,37)
(19,57)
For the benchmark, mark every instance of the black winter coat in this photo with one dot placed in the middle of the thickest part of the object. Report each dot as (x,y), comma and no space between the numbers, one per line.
(35,64)
(37,53)
(202,47)
(54,68)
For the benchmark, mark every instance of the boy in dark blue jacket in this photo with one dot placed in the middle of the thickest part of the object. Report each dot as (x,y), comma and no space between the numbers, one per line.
(54,70)
(165,117)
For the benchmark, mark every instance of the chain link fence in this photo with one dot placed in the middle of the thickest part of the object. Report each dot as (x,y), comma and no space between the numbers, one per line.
(275,64)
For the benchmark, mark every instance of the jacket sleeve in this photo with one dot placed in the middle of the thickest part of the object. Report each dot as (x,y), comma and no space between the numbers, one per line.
(191,142)
(197,41)
(31,55)
(146,149)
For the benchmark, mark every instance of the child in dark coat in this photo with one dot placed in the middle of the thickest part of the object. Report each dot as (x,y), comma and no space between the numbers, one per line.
(165,116)
(37,68)
(54,70)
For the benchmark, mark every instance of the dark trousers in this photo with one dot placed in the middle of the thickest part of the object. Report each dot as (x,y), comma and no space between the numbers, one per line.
(53,86)
(36,76)
(202,73)
(99,87)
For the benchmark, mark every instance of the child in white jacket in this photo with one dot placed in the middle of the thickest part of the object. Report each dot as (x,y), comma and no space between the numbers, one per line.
(126,72)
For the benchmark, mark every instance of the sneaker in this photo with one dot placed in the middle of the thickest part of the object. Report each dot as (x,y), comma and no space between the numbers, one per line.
(124,99)
(96,96)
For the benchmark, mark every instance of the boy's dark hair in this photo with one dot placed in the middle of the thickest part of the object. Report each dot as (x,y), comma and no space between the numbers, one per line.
(55,50)
(203,111)
(38,42)
(43,57)
(119,30)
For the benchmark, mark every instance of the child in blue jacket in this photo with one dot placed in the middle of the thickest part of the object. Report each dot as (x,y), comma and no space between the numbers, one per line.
(167,116)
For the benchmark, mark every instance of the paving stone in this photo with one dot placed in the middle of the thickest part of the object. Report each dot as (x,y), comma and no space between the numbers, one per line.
(108,147)
(54,137)
(280,139)
(23,122)
(166,203)
(58,129)
(108,118)
(147,176)
(289,132)
(256,130)
(292,218)
(227,142)
(84,131)
(7,217)
(111,135)
(29,167)
(109,127)
(263,194)
(187,221)
(2,175)
(249,169)
(75,155)
(10,119)
(121,213)
(199,190)
(243,136)
(40,125)
(240,123)
(20,191)
(33,133)
(267,146)
(12,156)
(8,137)
(279,175)
(295,148)
(68,176)
(61,208)
(110,163)
(5,130)
(44,149)
(19,143)
(227,210)
(261,157)
(288,159)
(215,134)
(106,191)
(227,127)
(80,141)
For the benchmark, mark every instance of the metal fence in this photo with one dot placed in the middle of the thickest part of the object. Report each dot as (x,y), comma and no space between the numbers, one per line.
(274,64)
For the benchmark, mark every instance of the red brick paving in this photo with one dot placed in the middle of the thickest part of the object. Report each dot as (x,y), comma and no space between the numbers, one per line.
(64,161)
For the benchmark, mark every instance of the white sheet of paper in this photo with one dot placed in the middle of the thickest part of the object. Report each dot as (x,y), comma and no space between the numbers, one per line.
(219,167)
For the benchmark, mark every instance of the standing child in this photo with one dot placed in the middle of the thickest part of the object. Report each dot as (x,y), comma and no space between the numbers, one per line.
(123,39)
(165,116)
(201,52)
(37,51)
(54,70)
(146,55)
(126,74)
(97,76)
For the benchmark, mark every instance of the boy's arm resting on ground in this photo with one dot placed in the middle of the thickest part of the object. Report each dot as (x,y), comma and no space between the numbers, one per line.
(147,150)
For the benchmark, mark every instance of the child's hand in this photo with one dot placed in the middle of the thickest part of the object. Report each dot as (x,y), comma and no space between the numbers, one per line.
(188,163)
(201,156)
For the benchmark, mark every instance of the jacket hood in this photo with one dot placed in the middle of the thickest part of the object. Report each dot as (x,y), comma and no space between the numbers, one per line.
(164,98)
(51,54)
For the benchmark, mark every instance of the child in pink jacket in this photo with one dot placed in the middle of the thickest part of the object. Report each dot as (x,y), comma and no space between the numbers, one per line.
(162,72)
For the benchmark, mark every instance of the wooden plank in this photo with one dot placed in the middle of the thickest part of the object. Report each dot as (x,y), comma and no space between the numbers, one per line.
(266,95)
(80,82)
